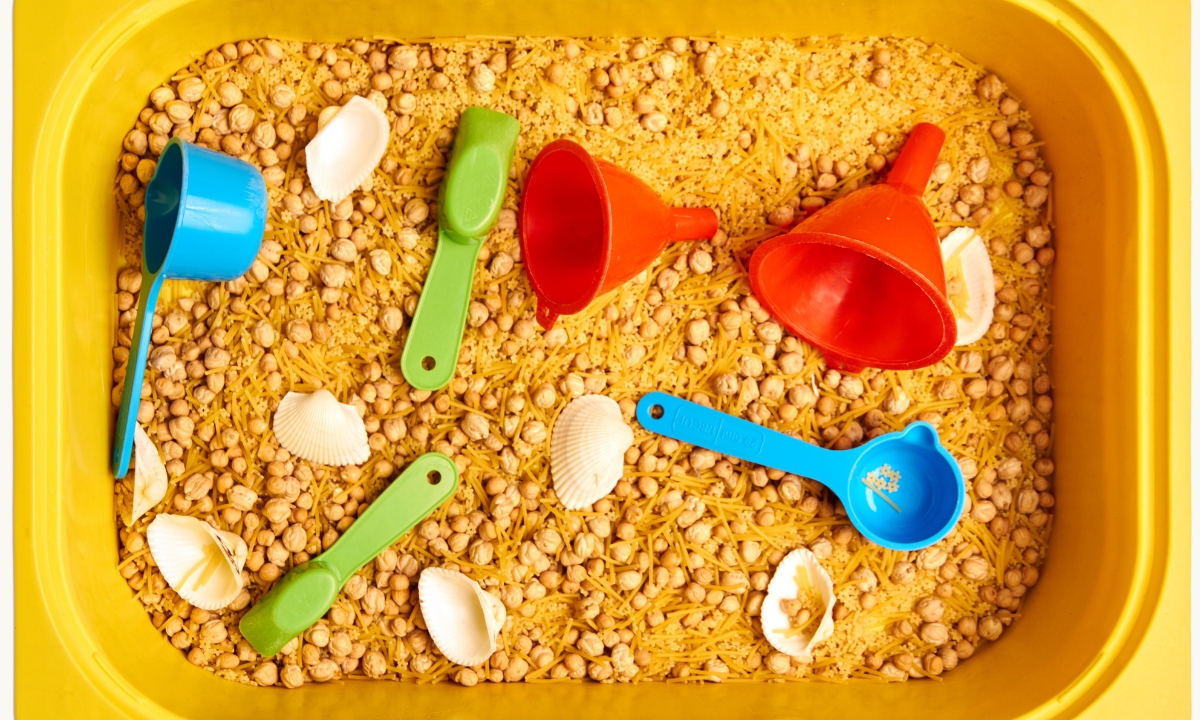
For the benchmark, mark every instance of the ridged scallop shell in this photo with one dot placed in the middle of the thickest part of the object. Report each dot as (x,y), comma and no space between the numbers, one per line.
(318,428)
(784,587)
(587,450)
(201,563)
(149,475)
(463,620)
(970,284)
(346,150)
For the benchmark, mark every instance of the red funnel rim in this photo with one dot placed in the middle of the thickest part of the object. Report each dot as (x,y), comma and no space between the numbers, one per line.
(538,181)
(759,265)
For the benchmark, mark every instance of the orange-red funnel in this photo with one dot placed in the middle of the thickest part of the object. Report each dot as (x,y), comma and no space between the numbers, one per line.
(587,226)
(862,279)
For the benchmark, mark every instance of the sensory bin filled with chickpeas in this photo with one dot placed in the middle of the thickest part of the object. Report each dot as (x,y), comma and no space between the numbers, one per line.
(662,580)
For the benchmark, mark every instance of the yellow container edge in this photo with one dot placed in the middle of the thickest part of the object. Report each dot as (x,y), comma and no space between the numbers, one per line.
(37,335)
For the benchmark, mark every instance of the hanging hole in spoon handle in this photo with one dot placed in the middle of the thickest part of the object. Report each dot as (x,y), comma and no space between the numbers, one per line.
(435,336)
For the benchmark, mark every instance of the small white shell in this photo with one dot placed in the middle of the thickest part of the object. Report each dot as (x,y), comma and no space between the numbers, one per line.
(462,619)
(149,475)
(775,621)
(318,428)
(970,284)
(201,563)
(346,149)
(587,450)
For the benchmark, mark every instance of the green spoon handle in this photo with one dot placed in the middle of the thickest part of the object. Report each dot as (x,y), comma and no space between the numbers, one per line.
(431,351)
(423,486)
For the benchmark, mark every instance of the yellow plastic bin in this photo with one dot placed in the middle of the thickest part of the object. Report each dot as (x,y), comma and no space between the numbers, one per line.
(85,649)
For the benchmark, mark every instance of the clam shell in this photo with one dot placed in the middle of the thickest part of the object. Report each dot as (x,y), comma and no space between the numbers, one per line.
(346,149)
(149,475)
(201,563)
(970,284)
(463,620)
(587,450)
(783,587)
(318,428)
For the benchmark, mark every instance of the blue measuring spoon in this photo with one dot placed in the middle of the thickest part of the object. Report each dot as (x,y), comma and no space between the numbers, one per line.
(923,505)
(205,216)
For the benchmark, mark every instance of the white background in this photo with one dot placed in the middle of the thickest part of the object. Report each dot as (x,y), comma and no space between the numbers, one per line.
(6,407)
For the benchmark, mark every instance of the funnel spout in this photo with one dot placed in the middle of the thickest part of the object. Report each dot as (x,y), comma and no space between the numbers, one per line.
(911,172)
(693,224)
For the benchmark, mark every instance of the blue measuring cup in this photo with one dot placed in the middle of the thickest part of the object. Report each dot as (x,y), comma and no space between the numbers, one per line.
(205,215)
(927,490)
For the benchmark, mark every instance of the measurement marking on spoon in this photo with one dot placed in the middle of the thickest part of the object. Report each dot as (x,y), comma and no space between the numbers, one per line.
(702,425)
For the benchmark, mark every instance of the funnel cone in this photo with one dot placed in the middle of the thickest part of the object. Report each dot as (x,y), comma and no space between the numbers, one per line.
(587,226)
(862,279)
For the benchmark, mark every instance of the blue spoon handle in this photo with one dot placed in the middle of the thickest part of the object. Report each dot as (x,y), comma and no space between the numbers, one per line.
(707,428)
(134,372)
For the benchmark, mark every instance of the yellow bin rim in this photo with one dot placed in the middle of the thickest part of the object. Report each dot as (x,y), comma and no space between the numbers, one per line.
(40,127)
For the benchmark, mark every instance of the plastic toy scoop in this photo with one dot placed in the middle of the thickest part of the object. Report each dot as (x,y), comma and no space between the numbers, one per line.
(862,278)
(469,200)
(587,226)
(307,592)
(902,490)
(205,216)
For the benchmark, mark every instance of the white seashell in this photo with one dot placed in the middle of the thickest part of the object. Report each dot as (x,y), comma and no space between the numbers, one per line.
(347,148)
(318,428)
(970,284)
(149,475)
(775,622)
(587,450)
(201,563)
(462,618)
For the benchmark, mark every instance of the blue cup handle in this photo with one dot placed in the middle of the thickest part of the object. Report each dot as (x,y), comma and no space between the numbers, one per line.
(135,370)
(707,428)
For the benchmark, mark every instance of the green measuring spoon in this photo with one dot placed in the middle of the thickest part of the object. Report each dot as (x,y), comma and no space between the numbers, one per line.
(309,589)
(470,198)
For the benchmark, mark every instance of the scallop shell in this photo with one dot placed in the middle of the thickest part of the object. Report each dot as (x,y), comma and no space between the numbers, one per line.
(346,150)
(784,587)
(201,563)
(587,450)
(149,475)
(970,285)
(462,619)
(318,428)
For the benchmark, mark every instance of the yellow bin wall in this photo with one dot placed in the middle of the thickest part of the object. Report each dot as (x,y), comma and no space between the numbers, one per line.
(84,649)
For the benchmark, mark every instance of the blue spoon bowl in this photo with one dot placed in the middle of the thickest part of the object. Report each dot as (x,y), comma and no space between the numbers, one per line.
(902,490)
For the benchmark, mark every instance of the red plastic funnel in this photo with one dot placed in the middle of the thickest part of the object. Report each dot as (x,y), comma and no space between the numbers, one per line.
(862,279)
(587,226)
